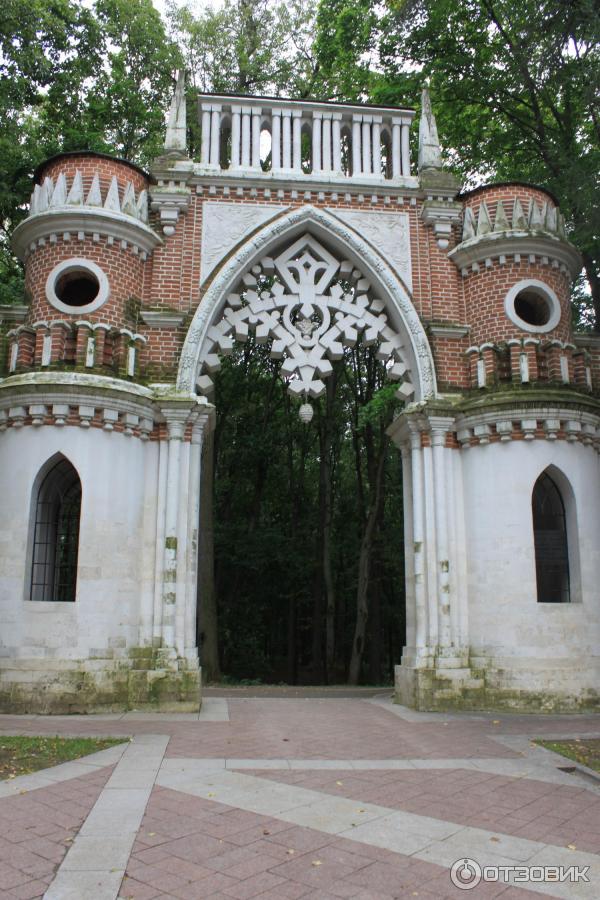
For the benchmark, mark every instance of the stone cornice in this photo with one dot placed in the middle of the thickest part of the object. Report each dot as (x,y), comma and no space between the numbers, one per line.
(184,173)
(529,398)
(589,340)
(499,245)
(34,385)
(87,220)
(449,330)
(162,318)
(9,313)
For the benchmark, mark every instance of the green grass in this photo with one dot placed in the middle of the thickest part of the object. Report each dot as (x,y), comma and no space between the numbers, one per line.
(22,755)
(586,752)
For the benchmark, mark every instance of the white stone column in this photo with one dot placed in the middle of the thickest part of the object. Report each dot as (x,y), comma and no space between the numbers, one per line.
(276,140)
(175,419)
(418,525)
(183,537)
(326,154)
(459,582)
(149,522)
(246,138)
(396,151)
(236,134)
(376,144)
(316,142)
(439,428)
(215,136)
(366,145)
(297,140)
(205,147)
(409,547)
(336,139)
(405,140)
(356,142)
(256,118)
(286,115)
(193,523)
(430,561)
(161,499)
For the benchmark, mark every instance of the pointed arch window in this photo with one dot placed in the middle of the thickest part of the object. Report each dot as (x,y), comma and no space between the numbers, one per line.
(550,540)
(56,534)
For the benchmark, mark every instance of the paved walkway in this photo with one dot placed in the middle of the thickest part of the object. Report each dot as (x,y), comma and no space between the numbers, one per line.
(323,797)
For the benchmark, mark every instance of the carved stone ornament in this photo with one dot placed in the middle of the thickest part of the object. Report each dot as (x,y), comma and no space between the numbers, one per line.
(314,307)
(224,225)
(388,232)
(201,347)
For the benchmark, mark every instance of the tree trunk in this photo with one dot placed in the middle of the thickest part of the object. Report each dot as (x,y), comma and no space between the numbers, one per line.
(327,476)
(594,282)
(208,642)
(364,565)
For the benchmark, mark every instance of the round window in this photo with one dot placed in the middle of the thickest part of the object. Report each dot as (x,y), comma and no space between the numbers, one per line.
(76,286)
(533,306)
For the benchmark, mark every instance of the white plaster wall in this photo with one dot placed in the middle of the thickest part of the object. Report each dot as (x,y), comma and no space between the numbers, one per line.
(115,544)
(505,619)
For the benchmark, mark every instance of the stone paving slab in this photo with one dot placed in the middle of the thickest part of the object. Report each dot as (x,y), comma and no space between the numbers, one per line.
(561,814)
(95,864)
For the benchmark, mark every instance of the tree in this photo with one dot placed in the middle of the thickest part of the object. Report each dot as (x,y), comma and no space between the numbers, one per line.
(75,77)
(515,85)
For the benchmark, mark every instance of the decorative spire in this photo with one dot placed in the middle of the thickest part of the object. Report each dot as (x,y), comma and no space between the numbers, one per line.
(430,154)
(176,139)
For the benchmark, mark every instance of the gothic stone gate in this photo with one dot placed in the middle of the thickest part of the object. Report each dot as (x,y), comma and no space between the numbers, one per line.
(140,282)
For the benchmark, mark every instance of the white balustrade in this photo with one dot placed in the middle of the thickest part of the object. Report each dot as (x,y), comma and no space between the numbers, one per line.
(363,143)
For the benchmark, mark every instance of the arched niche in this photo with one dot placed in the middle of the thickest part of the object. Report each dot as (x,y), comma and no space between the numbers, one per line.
(555,538)
(54,532)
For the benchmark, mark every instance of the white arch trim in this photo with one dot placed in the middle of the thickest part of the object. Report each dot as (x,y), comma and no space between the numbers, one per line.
(386,282)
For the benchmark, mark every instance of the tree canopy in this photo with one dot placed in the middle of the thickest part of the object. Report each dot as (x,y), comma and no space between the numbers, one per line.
(515,87)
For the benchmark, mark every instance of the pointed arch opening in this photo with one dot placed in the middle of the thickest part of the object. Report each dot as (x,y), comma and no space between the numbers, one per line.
(555,538)
(56,513)
(379,309)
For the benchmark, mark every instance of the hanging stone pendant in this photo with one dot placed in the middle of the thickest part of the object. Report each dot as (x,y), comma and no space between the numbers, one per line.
(306,413)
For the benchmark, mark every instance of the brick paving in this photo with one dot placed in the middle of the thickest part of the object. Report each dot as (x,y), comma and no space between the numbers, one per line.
(222,853)
(36,830)
(189,846)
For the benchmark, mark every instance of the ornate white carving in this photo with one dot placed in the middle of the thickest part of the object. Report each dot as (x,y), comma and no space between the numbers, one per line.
(399,308)
(388,232)
(224,225)
(309,316)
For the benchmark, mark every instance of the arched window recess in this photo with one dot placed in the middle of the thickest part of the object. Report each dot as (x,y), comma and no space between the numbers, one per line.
(55,534)
(552,537)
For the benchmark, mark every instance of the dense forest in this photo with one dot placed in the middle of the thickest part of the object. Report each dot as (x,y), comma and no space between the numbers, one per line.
(302,576)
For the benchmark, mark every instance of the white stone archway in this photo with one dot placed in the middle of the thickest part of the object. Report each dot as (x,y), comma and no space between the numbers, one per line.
(389,302)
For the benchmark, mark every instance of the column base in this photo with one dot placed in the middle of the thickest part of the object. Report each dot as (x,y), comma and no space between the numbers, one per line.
(518,685)
(70,686)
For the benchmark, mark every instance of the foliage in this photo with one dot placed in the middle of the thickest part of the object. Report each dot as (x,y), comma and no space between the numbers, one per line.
(244,47)
(269,523)
(74,76)
(579,750)
(515,88)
